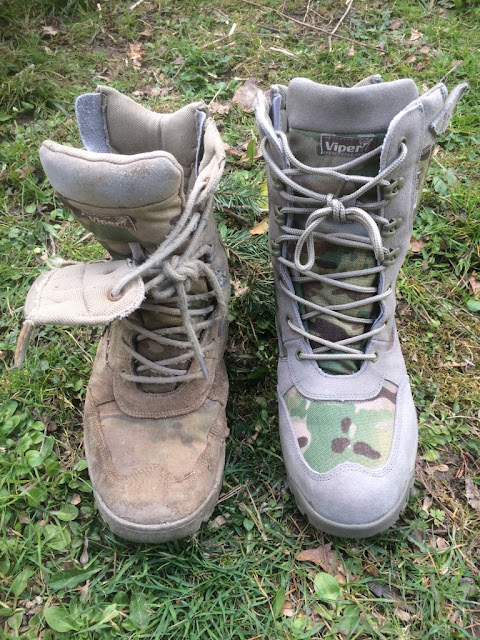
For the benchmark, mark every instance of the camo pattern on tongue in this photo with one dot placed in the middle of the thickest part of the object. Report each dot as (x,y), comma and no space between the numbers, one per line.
(330,433)
(331,150)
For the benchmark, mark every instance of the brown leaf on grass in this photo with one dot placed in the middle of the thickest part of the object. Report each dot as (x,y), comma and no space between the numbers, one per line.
(420,66)
(239,289)
(442,468)
(136,54)
(76,499)
(371,570)
(258,230)
(424,50)
(441,543)
(472,493)
(245,95)
(415,35)
(219,107)
(383,590)
(403,615)
(351,52)
(146,32)
(23,518)
(324,557)
(287,608)
(153,91)
(410,59)
(236,153)
(415,245)
(474,283)
(84,590)
(427,503)
(49,31)
(395,24)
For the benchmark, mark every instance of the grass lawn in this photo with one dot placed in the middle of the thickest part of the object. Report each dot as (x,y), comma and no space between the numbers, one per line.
(245,575)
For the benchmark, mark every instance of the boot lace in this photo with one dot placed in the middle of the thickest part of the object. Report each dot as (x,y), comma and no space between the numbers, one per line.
(168,278)
(319,207)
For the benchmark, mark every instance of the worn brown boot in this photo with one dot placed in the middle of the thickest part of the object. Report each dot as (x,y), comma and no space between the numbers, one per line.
(155,423)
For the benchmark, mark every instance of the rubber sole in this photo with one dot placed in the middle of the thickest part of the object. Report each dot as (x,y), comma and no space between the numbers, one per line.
(354,530)
(164,532)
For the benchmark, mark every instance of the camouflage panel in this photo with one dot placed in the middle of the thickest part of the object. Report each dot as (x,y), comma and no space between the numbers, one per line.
(330,433)
(331,258)
(330,150)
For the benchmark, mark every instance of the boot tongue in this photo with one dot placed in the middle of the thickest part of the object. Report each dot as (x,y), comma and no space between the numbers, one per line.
(328,127)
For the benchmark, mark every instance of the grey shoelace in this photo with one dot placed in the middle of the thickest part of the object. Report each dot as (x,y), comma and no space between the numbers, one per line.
(305,201)
(167,279)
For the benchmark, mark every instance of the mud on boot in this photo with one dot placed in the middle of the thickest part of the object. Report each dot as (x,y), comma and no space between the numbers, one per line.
(154,420)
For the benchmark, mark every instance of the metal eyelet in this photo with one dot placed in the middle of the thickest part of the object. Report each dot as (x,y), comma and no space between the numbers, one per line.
(298,353)
(393,188)
(209,256)
(388,229)
(115,298)
(391,256)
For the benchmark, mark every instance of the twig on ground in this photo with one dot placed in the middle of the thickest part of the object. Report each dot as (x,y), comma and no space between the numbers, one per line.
(312,26)
(334,30)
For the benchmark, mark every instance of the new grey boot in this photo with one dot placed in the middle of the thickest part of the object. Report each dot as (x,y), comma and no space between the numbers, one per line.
(155,424)
(345,170)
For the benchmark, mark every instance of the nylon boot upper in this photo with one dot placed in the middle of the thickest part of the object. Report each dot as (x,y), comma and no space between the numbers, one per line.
(345,169)
(154,420)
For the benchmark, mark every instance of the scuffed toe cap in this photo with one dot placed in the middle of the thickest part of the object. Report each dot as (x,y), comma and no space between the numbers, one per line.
(155,480)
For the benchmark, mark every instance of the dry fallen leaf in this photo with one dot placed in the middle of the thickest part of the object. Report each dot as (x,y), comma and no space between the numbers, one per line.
(146,32)
(395,24)
(23,518)
(218,522)
(84,556)
(84,590)
(441,543)
(474,283)
(245,95)
(427,502)
(236,153)
(416,35)
(438,467)
(260,228)
(325,558)
(218,107)
(410,59)
(50,31)
(415,245)
(76,499)
(136,54)
(472,493)
(424,50)
(287,608)
(351,51)
(403,615)
(239,289)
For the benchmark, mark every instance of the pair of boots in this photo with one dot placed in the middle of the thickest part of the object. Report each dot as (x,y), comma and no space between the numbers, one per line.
(345,173)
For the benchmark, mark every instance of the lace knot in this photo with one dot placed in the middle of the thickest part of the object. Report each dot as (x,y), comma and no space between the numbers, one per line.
(339,213)
(178,272)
